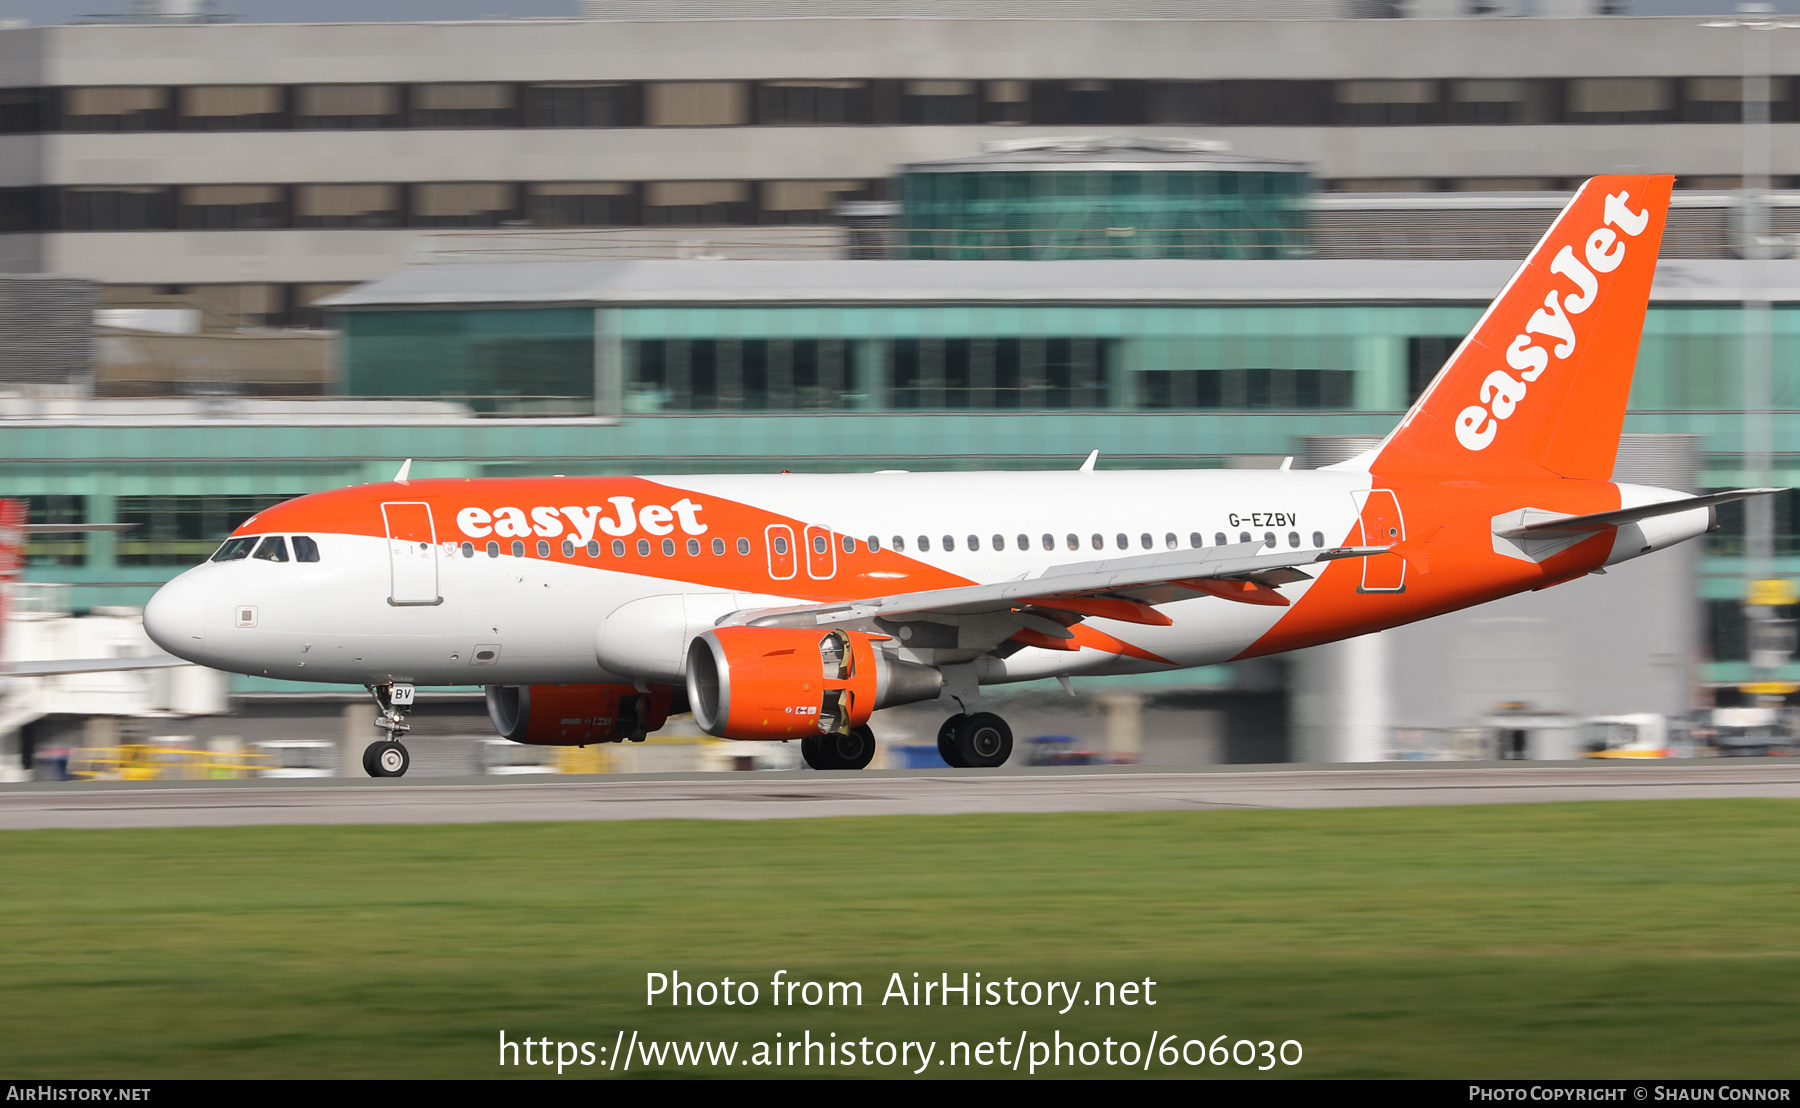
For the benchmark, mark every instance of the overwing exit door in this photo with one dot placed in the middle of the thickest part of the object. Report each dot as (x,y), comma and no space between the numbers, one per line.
(1382,525)
(412,554)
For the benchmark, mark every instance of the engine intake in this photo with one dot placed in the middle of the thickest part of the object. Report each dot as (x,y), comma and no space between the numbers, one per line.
(576,715)
(788,683)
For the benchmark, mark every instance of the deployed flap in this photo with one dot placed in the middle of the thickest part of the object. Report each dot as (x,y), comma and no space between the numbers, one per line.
(1147,578)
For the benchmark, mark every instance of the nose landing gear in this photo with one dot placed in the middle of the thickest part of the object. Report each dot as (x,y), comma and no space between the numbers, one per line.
(387,758)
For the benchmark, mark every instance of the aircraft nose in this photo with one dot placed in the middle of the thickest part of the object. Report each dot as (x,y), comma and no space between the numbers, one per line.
(175,618)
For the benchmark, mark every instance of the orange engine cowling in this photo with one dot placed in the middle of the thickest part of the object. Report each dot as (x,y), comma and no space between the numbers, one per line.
(576,715)
(788,683)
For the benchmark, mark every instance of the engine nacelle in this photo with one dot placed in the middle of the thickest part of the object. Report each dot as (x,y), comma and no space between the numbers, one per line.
(788,683)
(576,715)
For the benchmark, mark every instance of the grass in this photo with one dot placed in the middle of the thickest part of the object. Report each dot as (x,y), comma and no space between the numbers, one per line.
(1622,939)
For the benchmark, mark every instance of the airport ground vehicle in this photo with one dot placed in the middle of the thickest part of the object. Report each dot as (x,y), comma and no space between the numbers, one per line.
(793,606)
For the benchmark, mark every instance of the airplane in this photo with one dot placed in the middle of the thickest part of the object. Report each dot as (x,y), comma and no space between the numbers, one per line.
(794,606)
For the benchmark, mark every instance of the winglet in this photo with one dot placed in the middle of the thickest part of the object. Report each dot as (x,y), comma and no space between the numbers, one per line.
(1088,466)
(405,468)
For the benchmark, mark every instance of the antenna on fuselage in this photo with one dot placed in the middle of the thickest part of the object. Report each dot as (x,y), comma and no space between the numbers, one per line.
(405,468)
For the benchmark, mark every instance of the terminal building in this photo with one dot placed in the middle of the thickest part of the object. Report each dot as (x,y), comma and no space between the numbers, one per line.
(662,240)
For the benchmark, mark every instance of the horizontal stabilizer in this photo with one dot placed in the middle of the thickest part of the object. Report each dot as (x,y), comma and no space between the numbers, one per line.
(87,665)
(1602,520)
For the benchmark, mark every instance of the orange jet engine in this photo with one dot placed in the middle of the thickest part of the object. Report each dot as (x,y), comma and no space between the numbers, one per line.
(576,715)
(788,683)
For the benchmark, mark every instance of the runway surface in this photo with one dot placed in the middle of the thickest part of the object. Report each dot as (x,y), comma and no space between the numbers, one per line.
(915,792)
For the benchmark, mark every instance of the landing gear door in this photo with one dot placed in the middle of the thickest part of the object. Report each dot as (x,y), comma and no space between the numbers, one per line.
(1382,525)
(412,554)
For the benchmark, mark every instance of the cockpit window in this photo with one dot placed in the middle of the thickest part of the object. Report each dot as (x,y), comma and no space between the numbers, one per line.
(273,549)
(306,550)
(233,550)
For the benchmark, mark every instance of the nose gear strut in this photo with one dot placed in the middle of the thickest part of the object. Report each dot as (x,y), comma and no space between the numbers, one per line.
(388,758)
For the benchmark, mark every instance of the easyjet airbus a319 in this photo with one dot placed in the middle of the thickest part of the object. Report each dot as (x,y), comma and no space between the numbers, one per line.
(794,606)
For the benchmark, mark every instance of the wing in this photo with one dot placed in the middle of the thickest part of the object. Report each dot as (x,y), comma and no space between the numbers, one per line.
(87,665)
(1039,611)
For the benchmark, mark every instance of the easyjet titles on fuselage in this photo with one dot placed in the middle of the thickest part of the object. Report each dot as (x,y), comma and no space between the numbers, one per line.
(509,522)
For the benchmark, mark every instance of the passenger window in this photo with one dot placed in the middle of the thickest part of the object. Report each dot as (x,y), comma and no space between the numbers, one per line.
(643,548)
(593,548)
(1243,536)
(999,542)
(780,544)
(233,550)
(1124,543)
(874,544)
(1074,542)
(493,550)
(305,550)
(949,542)
(819,544)
(924,544)
(1144,540)
(1294,539)
(849,545)
(693,546)
(1269,539)
(974,542)
(1194,540)
(1025,542)
(718,546)
(1318,538)
(743,546)
(568,548)
(618,548)
(1219,539)
(668,548)
(543,548)
(1170,541)
(899,543)
(518,548)
(1099,542)
(468,549)
(273,549)
(1049,542)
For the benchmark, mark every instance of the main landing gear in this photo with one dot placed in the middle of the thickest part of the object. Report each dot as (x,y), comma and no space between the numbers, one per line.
(978,741)
(852,749)
(388,758)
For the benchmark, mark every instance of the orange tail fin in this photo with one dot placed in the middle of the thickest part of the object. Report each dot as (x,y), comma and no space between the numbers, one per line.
(1540,384)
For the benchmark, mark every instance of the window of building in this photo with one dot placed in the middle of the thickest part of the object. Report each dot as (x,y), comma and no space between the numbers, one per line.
(67,548)
(232,108)
(582,204)
(1386,103)
(1181,102)
(1621,100)
(801,103)
(808,201)
(1183,389)
(1504,184)
(464,105)
(740,375)
(696,203)
(21,110)
(1721,100)
(1274,103)
(346,107)
(117,108)
(1054,374)
(696,104)
(246,305)
(1425,355)
(118,208)
(21,210)
(1006,102)
(231,207)
(347,206)
(1502,102)
(939,103)
(463,204)
(181,530)
(1093,104)
(589,104)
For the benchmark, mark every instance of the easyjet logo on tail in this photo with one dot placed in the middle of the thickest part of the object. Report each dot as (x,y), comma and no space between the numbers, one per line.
(1501,393)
